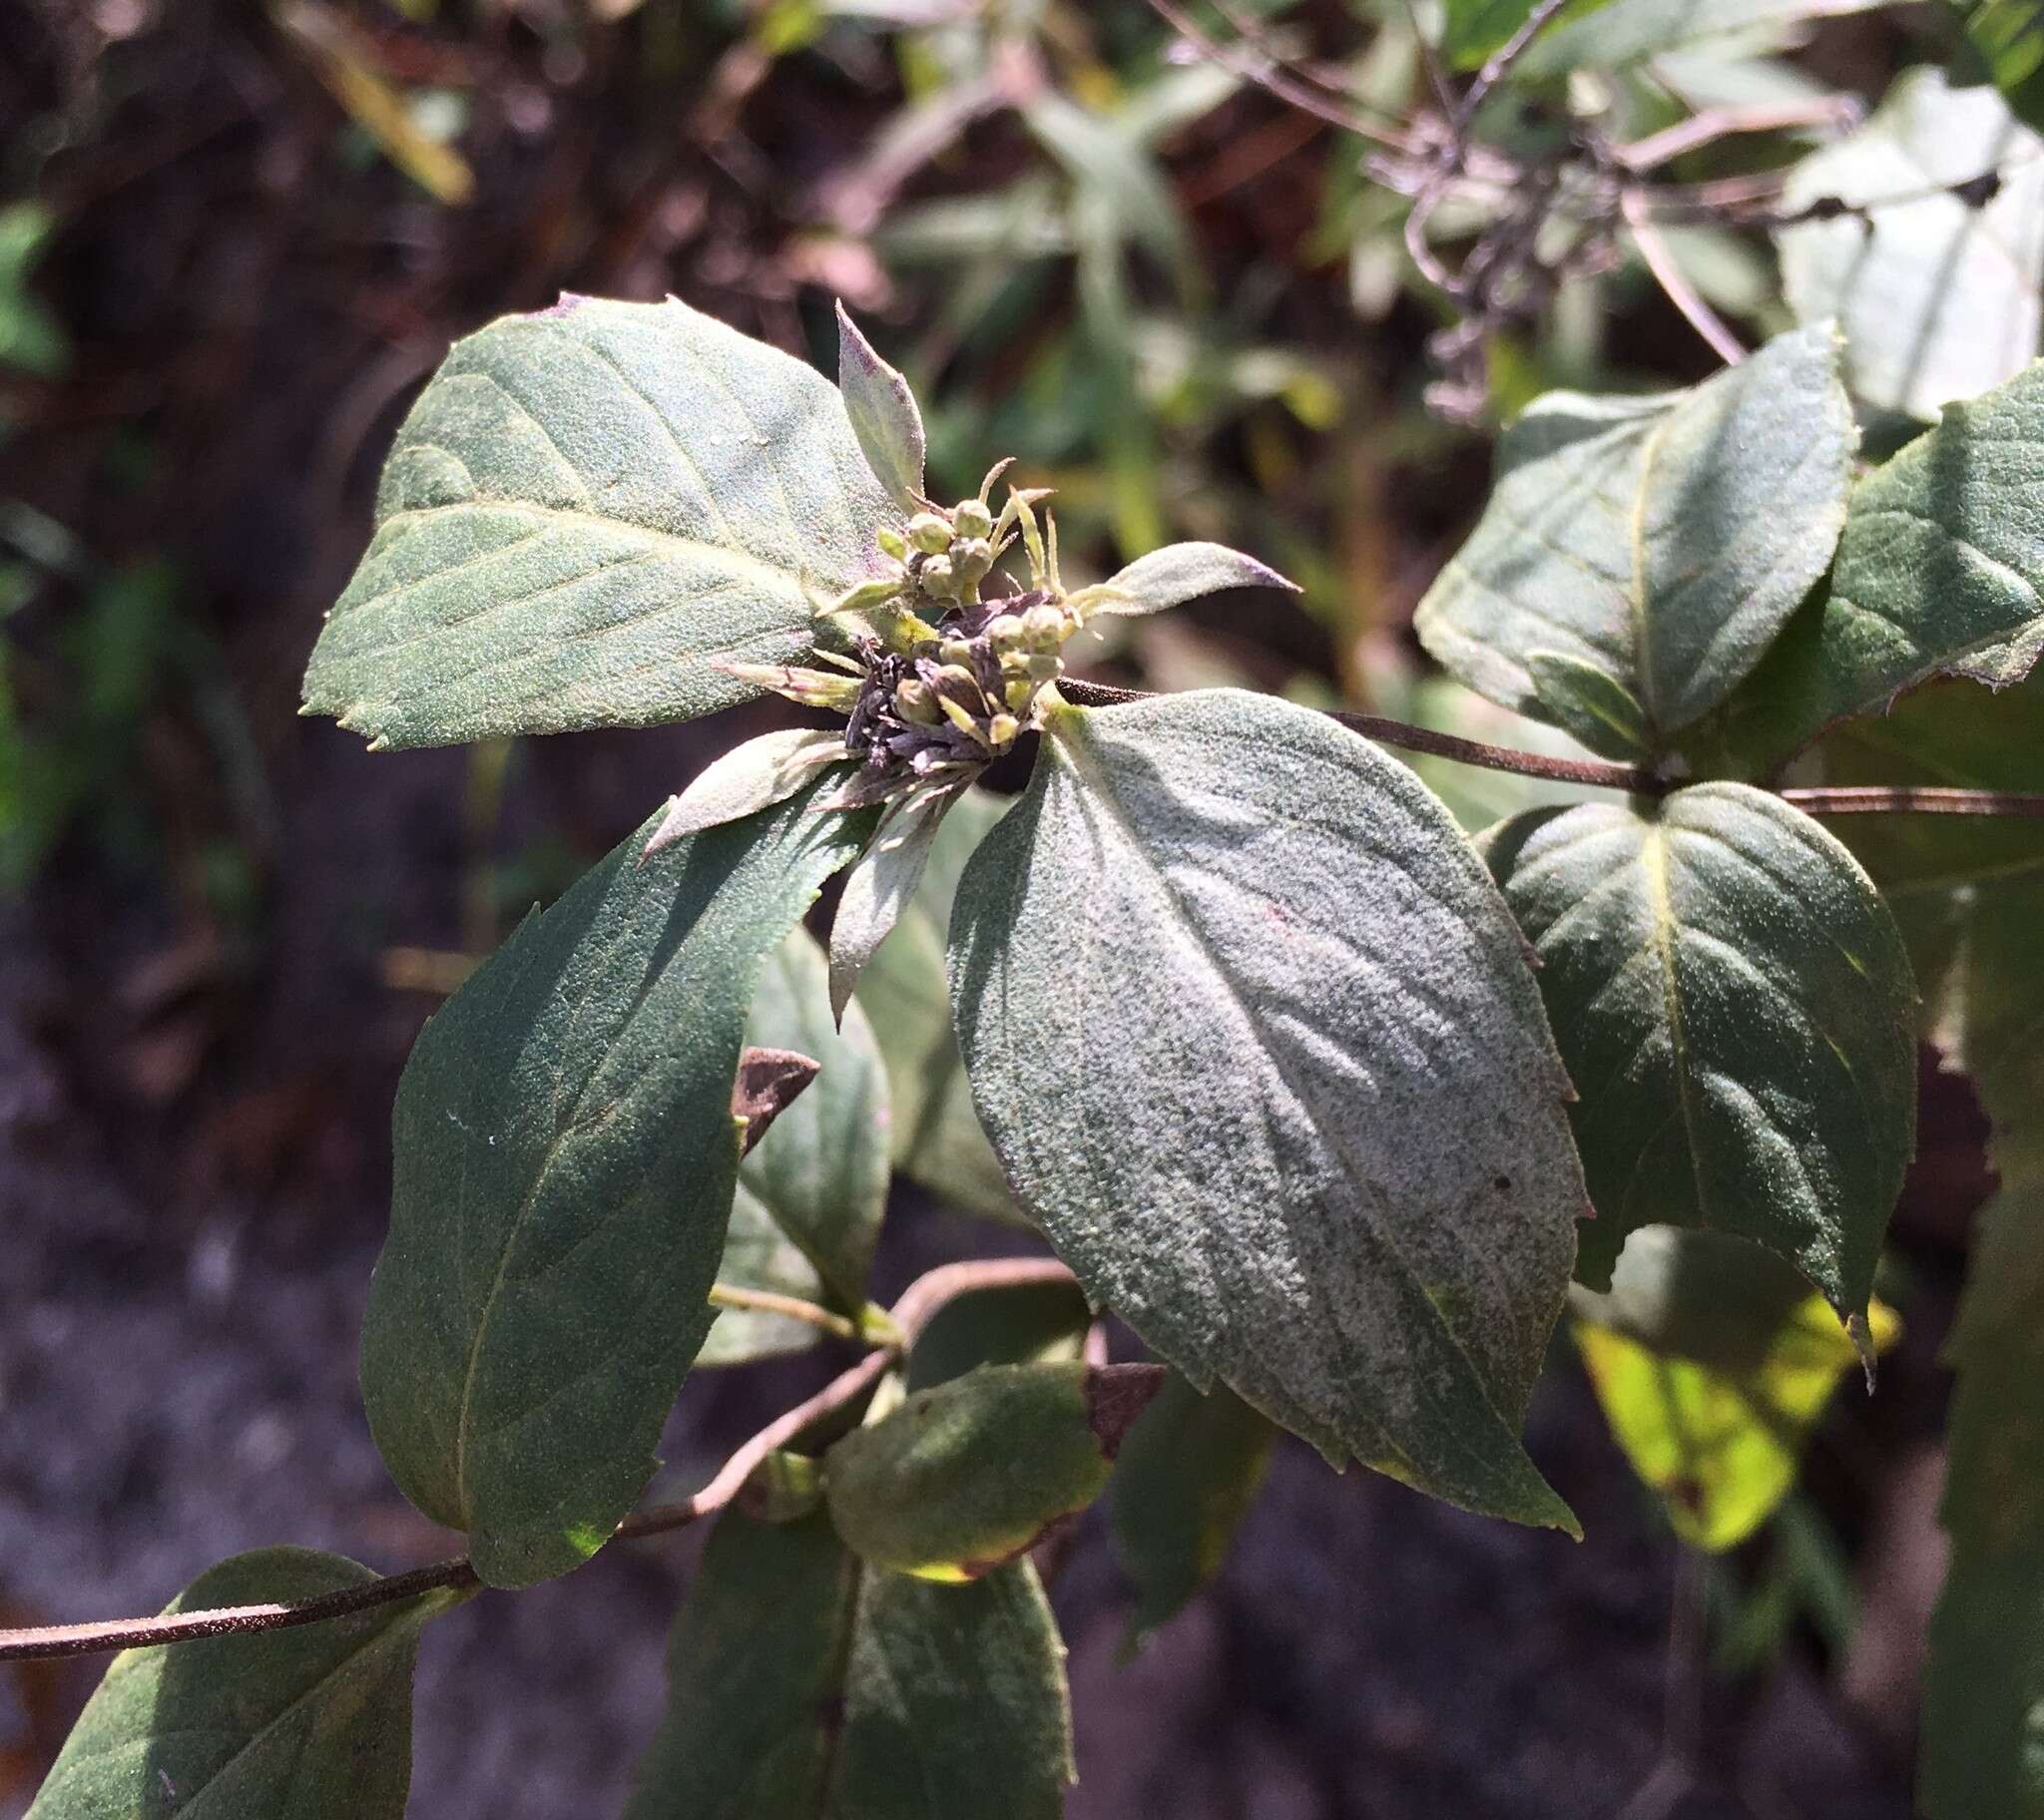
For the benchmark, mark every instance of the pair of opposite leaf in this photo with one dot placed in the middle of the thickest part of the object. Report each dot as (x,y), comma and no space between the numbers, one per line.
(939,662)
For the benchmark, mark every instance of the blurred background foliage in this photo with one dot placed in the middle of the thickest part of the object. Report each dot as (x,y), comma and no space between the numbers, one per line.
(234,239)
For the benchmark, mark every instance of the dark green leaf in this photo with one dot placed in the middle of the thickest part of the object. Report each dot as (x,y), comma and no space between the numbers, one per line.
(1473,29)
(307,1723)
(964,1476)
(1189,1472)
(1256,1041)
(585,511)
(938,1142)
(1940,568)
(811,1197)
(565,1158)
(1009,1324)
(1734,1005)
(801,1682)
(1637,557)
(1939,293)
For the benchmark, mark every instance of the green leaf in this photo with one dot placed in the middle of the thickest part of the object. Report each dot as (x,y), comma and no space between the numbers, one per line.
(964,1476)
(747,779)
(2008,36)
(1734,1005)
(1255,1039)
(880,885)
(1637,557)
(1969,896)
(938,1142)
(565,1158)
(1473,29)
(811,1195)
(295,1725)
(1940,300)
(587,510)
(882,413)
(1179,573)
(1629,31)
(1720,1436)
(801,1682)
(1003,1324)
(1188,1474)
(1940,568)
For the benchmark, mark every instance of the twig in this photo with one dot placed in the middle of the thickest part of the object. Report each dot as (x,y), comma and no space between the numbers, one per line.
(1711,124)
(1593,774)
(1273,79)
(1680,292)
(1501,59)
(911,1314)
(791,1307)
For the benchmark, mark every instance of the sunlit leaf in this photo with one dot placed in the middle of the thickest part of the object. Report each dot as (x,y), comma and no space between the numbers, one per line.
(1638,556)
(1629,31)
(801,1682)
(1256,1041)
(1718,1436)
(587,510)
(565,1161)
(1940,295)
(883,412)
(1734,1005)
(306,1723)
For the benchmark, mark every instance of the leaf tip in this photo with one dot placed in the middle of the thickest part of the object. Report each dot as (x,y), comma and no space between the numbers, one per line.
(768,1082)
(1115,1396)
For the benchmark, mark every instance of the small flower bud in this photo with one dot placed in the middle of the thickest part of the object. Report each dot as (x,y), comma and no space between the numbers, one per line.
(971,519)
(972,557)
(892,543)
(935,575)
(957,653)
(1046,629)
(914,702)
(1044,667)
(929,534)
(1001,731)
(1004,629)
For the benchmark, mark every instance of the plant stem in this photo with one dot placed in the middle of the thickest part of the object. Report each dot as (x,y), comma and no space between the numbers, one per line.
(791,1308)
(1812,800)
(911,1314)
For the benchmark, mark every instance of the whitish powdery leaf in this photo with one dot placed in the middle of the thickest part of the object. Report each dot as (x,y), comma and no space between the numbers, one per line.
(1639,556)
(811,1195)
(308,1723)
(802,1682)
(1256,1041)
(1734,1005)
(564,1162)
(1939,298)
(583,511)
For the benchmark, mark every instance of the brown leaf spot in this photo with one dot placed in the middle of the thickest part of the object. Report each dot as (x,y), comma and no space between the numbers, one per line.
(768,1081)
(1115,1396)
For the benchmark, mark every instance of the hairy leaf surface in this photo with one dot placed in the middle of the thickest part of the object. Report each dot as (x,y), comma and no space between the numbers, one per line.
(1940,297)
(801,1682)
(585,511)
(811,1197)
(1940,568)
(306,1723)
(1255,1039)
(1637,557)
(565,1158)
(1734,1005)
